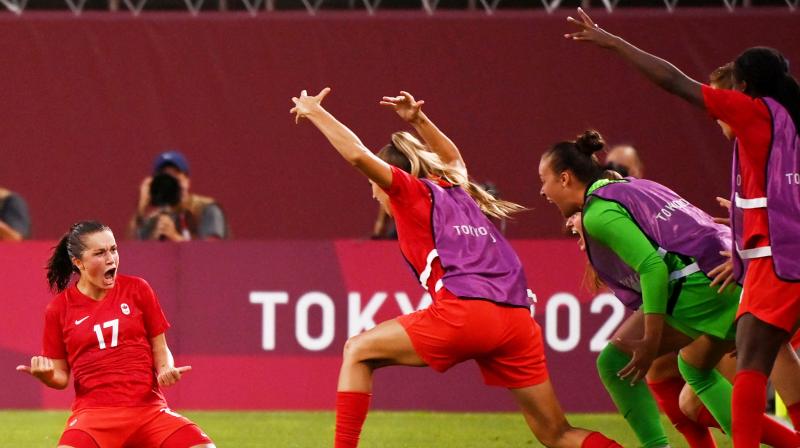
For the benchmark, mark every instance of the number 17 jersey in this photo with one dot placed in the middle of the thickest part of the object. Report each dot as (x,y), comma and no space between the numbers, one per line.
(107,343)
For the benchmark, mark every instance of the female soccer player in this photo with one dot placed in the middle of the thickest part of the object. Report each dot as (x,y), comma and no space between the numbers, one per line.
(480,305)
(655,251)
(763,113)
(673,396)
(107,330)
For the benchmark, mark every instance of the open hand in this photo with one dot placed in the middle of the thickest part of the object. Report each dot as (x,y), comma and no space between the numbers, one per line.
(590,31)
(404,105)
(171,375)
(307,104)
(642,358)
(41,367)
(723,274)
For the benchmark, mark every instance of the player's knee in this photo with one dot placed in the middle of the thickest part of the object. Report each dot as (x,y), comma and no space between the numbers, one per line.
(688,403)
(610,361)
(354,348)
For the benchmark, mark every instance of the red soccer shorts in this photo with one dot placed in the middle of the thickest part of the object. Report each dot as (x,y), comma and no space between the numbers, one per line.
(796,340)
(138,426)
(769,298)
(505,341)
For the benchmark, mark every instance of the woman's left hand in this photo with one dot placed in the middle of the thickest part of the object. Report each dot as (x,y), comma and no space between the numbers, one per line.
(643,354)
(405,105)
(306,104)
(171,375)
(590,31)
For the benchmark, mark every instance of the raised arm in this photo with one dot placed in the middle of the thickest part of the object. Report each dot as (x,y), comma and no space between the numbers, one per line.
(410,111)
(657,70)
(343,139)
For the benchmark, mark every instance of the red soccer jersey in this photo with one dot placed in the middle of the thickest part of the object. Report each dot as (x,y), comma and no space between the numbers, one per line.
(750,120)
(107,343)
(412,210)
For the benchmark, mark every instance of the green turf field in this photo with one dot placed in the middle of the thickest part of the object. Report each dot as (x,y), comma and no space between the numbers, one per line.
(33,429)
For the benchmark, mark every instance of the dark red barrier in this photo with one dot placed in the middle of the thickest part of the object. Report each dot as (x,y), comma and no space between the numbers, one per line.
(263,324)
(87,103)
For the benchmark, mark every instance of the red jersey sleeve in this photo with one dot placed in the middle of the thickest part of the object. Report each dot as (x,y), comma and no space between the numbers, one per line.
(746,116)
(405,188)
(53,345)
(155,322)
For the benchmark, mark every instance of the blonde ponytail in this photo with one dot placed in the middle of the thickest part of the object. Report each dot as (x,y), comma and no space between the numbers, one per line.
(424,163)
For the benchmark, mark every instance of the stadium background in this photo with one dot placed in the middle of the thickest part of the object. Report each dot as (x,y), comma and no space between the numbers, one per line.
(88,101)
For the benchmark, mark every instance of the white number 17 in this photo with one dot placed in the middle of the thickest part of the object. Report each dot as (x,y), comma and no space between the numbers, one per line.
(114,324)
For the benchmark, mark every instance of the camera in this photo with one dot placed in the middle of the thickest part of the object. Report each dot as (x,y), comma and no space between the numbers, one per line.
(165,191)
(165,197)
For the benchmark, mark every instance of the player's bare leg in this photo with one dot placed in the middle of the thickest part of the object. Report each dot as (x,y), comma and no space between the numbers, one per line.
(544,416)
(784,376)
(385,345)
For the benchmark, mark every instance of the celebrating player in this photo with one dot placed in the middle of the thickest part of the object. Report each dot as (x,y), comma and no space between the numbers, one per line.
(107,330)
(480,305)
(763,113)
(656,252)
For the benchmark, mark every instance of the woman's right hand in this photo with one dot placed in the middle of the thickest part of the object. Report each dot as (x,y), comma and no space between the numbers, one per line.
(590,31)
(405,105)
(305,104)
(41,367)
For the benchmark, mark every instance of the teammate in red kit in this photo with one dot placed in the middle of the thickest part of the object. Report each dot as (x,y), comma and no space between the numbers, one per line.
(763,114)
(480,305)
(108,330)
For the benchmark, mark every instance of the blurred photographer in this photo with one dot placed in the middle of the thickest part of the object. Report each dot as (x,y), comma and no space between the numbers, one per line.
(625,160)
(15,222)
(168,211)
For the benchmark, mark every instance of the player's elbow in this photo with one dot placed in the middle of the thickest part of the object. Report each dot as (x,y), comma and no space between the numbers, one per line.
(357,158)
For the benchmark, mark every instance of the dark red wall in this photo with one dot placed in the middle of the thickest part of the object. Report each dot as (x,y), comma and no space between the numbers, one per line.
(87,103)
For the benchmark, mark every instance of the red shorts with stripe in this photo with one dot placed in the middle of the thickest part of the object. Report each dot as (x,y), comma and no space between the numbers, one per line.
(117,427)
(505,341)
(769,298)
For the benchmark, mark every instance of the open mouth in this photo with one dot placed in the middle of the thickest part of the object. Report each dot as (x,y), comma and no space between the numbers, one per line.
(110,274)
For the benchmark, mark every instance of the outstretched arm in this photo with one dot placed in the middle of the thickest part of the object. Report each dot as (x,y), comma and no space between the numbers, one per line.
(657,70)
(343,139)
(410,111)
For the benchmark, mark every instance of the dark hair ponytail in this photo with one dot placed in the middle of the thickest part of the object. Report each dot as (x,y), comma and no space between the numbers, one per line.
(578,156)
(59,266)
(766,74)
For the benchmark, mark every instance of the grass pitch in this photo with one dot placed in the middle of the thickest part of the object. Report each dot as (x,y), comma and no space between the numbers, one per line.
(34,429)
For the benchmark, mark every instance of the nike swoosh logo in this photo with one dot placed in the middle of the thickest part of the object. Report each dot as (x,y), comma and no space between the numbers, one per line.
(80,321)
